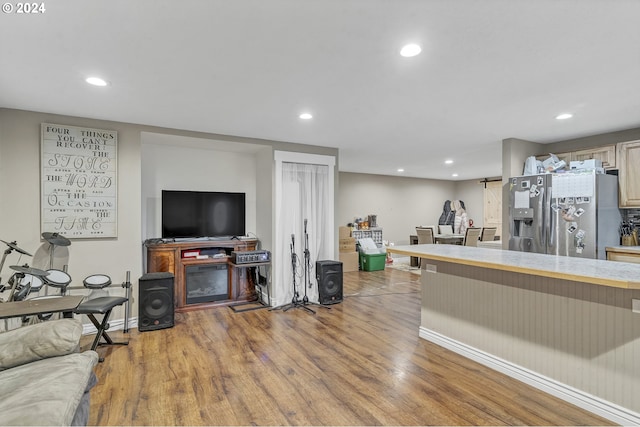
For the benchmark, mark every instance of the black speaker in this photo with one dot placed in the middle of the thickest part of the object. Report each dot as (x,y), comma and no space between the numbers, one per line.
(329,277)
(155,301)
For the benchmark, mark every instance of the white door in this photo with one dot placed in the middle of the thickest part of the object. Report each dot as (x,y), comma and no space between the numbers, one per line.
(493,206)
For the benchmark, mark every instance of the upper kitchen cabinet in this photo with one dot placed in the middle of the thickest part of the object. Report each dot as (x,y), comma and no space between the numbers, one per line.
(628,155)
(606,154)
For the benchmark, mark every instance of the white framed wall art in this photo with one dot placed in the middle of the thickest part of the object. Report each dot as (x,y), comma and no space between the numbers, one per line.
(79,189)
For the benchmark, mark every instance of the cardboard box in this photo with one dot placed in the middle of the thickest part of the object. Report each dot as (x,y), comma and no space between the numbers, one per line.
(349,261)
(348,244)
(585,164)
(348,240)
(347,247)
(344,232)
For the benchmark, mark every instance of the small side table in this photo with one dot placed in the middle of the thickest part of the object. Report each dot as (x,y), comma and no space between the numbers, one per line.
(259,302)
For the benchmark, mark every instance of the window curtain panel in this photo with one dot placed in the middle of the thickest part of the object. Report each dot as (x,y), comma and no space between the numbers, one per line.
(305,197)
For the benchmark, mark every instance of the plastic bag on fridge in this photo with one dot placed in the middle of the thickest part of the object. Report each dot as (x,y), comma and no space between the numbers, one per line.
(531,166)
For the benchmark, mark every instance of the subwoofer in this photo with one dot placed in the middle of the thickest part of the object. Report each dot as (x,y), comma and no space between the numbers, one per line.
(329,277)
(155,301)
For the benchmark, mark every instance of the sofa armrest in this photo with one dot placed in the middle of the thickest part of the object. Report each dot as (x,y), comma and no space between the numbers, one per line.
(39,341)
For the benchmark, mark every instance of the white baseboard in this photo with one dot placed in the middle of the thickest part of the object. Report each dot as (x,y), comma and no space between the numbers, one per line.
(114,325)
(596,405)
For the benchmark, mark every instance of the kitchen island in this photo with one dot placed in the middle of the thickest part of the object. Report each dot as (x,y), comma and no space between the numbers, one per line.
(562,324)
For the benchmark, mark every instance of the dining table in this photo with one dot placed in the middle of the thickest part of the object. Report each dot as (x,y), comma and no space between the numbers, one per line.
(450,239)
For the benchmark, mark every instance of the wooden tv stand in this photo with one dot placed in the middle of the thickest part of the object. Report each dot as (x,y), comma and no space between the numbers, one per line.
(168,257)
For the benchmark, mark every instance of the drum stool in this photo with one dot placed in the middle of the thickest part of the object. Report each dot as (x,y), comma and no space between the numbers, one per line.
(101,305)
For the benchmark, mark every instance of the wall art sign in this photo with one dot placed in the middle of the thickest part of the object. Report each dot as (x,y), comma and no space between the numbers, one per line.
(79,191)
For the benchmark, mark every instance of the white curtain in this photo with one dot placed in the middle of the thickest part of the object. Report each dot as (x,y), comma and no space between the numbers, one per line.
(305,196)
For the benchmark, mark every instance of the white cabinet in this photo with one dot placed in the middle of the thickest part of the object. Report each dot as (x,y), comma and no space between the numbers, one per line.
(375,233)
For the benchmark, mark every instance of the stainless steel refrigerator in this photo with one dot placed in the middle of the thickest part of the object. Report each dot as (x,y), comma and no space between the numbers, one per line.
(570,214)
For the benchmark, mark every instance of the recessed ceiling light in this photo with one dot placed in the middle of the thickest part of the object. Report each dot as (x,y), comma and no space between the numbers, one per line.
(96,81)
(448,162)
(410,50)
(564,116)
(454,175)
(400,170)
(305,116)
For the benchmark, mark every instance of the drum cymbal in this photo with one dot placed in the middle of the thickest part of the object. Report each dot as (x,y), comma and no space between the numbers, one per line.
(56,239)
(29,270)
(13,246)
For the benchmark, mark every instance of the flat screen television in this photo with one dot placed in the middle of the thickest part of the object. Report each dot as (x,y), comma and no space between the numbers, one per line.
(191,214)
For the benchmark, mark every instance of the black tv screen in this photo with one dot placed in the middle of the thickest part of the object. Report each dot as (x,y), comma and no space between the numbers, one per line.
(202,214)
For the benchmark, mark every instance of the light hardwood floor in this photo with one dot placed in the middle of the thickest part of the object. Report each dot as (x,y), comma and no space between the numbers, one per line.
(359,363)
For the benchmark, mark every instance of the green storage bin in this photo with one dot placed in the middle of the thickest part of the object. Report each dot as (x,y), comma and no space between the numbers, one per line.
(372,262)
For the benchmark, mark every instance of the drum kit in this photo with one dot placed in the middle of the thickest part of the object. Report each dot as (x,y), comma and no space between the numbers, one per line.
(27,280)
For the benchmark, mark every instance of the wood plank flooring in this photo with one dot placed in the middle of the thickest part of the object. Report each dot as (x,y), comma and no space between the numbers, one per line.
(359,363)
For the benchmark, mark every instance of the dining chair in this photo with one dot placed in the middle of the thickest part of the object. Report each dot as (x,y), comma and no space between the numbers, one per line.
(471,236)
(425,235)
(445,229)
(488,233)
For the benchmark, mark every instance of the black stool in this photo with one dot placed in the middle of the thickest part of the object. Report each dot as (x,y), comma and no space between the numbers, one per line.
(101,305)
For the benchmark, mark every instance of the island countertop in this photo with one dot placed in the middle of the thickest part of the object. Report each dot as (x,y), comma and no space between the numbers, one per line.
(594,271)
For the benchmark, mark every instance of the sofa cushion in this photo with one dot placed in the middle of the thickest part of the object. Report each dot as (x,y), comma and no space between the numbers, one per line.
(45,392)
(39,341)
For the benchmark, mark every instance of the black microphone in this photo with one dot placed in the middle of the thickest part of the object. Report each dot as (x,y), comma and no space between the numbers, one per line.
(305,226)
(293,242)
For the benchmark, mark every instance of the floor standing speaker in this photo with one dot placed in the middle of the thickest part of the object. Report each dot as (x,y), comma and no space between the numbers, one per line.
(329,276)
(155,301)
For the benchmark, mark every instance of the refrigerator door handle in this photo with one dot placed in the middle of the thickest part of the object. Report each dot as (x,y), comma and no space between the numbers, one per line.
(541,217)
(551,225)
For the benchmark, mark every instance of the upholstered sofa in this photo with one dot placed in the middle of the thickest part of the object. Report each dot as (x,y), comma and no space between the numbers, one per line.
(44,379)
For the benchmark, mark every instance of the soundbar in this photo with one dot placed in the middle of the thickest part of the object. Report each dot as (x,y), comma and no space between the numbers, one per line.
(250,257)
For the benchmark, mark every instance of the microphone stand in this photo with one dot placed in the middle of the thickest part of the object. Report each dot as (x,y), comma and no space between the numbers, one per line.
(295,302)
(307,282)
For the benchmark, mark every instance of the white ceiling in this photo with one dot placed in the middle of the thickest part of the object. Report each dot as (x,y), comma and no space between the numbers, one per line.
(489,70)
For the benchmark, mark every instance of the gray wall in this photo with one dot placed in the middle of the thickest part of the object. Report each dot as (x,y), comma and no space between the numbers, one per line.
(20,139)
(20,191)
(401,203)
